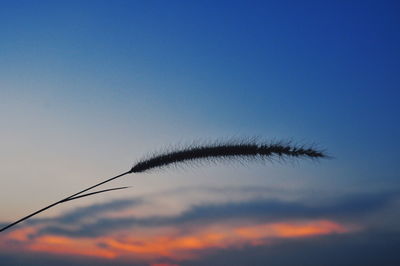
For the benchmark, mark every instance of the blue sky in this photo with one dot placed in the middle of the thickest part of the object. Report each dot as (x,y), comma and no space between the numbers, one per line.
(89,87)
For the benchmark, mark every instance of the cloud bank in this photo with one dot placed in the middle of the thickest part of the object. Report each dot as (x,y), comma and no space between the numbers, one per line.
(122,231)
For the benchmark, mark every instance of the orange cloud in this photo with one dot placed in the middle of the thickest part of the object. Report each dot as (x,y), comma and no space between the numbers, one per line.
(21,234)
(173,243)
(291,230)
(65,245)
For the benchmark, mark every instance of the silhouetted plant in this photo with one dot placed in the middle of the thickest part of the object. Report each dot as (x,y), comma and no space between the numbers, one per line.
(225,151)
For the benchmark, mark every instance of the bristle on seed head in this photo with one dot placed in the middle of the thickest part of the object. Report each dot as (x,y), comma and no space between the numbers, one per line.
(229,150)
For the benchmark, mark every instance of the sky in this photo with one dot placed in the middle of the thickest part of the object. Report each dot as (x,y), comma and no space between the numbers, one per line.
(88,88)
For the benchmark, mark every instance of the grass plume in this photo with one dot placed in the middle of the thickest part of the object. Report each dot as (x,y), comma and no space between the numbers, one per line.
(232,150)
(209,153)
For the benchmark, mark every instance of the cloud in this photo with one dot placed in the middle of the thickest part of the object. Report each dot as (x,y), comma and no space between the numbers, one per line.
(89,211)
(176,243)
(361,248)
(118,229)
(258,209)
(96,209)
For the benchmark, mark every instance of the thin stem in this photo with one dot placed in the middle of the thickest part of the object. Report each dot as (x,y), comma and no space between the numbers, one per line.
(61,201)
(93,193)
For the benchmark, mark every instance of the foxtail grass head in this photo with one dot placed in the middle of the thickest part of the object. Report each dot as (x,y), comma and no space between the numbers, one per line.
(228,151)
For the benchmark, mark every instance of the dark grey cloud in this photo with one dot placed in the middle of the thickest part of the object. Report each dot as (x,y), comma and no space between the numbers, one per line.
(96,209)
(78,214)
(44,259)
(271,209)
(263,210)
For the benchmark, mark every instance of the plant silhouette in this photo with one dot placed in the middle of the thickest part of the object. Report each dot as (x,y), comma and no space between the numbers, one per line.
(239,150)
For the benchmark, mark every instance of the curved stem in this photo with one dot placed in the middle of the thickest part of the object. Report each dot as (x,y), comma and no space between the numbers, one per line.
(61,201)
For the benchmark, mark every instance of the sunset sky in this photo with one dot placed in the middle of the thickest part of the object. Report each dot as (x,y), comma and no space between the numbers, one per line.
(88,88)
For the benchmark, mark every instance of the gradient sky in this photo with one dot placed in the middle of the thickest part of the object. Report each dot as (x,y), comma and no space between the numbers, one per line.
(90,87)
